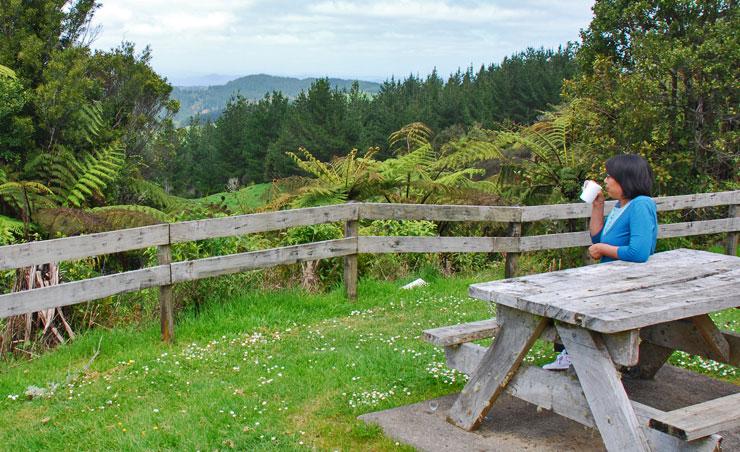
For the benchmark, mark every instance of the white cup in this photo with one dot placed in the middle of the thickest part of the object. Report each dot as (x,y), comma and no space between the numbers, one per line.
(590,190)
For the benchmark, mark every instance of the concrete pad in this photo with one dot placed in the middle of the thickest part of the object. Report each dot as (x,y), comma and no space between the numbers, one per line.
(515,425)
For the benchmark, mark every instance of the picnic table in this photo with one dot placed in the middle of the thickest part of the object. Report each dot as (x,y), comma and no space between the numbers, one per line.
(612,318)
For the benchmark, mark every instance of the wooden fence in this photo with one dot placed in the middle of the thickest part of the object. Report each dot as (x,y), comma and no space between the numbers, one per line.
(167,273)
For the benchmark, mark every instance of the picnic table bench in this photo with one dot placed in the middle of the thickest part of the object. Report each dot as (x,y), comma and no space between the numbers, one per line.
(610,317)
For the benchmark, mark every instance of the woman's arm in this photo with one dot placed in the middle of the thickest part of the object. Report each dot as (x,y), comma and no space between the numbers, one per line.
(596,223)
(643,227)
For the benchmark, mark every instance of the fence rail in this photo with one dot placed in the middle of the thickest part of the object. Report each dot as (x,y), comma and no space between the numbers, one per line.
(168,273)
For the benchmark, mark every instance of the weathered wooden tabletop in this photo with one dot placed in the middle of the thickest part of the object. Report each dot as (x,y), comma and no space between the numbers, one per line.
(619,296)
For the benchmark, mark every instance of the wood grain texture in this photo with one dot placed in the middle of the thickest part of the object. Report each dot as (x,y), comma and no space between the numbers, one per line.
(499,364)
(512,258)
(80,291)
(383,211)
(698,228)
(166,309)
(234,263)
(620,296)
(717,347)
(350,261)
(683,335)
(611,408)
(732,238)
(700,420)
(187,231)
(561,393)
(70,248)
(378,245)
(667,203)
(459,334)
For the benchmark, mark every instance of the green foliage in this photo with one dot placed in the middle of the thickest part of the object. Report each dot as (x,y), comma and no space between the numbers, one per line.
(542,163)
(320,362)
(68,221)
(311,234)
(661,79)
(10,230)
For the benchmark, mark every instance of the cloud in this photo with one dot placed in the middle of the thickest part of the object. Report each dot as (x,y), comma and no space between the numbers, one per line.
(336,37)
(421,11)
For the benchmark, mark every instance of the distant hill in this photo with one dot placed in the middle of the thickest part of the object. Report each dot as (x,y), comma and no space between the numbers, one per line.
(209,101)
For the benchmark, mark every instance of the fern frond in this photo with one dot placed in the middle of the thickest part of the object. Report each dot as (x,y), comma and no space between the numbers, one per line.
(104,164)
(7,72)
(155,196)
(410,136)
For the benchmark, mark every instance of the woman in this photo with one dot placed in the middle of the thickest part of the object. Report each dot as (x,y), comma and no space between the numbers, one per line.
(631,229)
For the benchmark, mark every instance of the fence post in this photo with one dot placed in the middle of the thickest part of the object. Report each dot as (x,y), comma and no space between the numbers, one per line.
(731,244)
(350,261)
(166,315)
(515,230)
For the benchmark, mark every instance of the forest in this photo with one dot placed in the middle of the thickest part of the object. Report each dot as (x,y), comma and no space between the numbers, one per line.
(88,142)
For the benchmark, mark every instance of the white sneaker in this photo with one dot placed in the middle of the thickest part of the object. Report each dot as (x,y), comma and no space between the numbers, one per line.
(562,362)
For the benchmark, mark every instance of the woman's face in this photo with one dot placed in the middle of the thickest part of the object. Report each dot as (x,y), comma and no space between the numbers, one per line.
(613,189)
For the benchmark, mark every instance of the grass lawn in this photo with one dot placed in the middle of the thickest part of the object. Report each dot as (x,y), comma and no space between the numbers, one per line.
(245,199)
(264,371)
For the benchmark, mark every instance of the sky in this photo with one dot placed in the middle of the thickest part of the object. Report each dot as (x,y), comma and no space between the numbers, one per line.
(369,40)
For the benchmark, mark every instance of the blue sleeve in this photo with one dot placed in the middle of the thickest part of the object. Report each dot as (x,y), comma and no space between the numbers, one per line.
(597,238)
(642,233)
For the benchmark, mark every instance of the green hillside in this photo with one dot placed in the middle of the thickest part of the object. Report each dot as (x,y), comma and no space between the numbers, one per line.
(211,100)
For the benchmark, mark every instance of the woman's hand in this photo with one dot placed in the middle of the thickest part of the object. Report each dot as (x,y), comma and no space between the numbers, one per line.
(596,251)
(599,250)
(598,203)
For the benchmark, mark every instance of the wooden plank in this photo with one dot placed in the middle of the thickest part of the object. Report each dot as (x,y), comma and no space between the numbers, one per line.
(519,331)
(663,204)
(166,310)
(458,334)
(561,393)
(582,238)
(431,212)
(698,228)
(376,245)
(260,222)
(620,296)
(80,291)
(350,261)
(683,335)
(234,263)
(561,211)
(697,200)
(555,241)
(611,409)
(623,347)
(732,237)
(717,347)
(69,248)
(652,358)
(512,258)
(700,420)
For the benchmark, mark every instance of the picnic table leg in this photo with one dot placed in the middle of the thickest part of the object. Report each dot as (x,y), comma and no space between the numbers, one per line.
(652,359)
(612,410)
(519,330)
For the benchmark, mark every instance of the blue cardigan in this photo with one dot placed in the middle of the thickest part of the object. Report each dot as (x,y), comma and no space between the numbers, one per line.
(634,233)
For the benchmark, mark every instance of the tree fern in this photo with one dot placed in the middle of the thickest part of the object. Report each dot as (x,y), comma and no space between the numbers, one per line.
(155,196)
(76,180)
(68,221)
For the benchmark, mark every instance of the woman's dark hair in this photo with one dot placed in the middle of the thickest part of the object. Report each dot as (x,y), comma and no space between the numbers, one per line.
(633,173)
